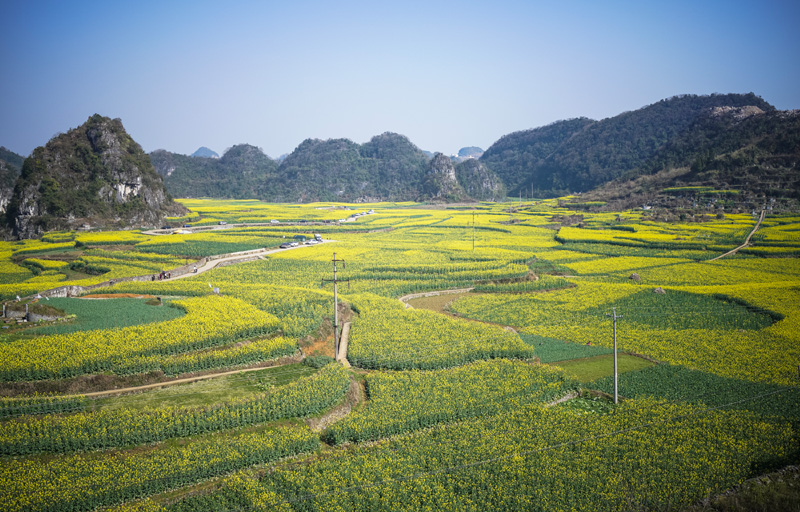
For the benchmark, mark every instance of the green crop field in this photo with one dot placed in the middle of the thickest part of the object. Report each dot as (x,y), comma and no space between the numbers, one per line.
(593,368)
(492,399)
(107,314)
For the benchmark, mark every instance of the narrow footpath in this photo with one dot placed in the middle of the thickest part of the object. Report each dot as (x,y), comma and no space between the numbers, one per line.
(343,345)
(746,240)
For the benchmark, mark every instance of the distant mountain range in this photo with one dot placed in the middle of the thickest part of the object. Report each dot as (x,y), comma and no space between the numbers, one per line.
(388,167)
(664,140)
(678,151)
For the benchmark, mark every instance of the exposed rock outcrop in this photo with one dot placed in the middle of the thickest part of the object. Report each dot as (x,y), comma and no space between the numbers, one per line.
(738,113)
(440,183)
(479,182)
(10,166)
(94,174)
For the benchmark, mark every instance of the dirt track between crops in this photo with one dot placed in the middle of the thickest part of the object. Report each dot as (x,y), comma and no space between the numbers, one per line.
(293,359)
(208,265)
(746,241)
(186,380)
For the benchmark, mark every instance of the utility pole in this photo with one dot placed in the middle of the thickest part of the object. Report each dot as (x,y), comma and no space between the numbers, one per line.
(616,382)
(335,282)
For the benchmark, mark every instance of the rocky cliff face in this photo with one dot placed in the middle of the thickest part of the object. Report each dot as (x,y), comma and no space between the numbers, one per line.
(10,166)
(440,183)
(93,175)
(479,182)
(7,178)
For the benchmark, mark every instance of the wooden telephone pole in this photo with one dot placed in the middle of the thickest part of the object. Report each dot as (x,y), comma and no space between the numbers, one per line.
(616,381)
(335,282)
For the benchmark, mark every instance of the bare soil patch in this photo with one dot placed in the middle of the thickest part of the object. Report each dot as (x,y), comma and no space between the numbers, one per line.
(438,303)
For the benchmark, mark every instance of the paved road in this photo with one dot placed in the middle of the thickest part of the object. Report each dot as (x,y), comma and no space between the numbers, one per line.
(237,256)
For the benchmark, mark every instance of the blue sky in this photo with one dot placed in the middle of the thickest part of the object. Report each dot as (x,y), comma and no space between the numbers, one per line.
(182,75)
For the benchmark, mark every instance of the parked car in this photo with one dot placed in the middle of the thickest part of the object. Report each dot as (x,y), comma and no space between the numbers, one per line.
(286,245)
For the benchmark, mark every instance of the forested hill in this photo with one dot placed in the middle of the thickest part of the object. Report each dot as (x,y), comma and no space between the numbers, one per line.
(574,155)
(387,168)
(515,157)
(738,155)
(94,175)
(241,171)
(722,141)
(581,154)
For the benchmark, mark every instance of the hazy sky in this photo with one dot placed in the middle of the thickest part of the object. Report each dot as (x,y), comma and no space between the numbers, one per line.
(182,75)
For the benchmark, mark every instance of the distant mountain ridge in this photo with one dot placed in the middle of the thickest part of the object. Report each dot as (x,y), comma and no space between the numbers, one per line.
(204,152)
(571,156)
(386,168)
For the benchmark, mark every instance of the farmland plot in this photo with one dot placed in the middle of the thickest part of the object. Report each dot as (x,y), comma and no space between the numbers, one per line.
(455,412)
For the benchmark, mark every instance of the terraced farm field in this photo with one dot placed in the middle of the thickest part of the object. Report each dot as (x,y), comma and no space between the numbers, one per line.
(491,399)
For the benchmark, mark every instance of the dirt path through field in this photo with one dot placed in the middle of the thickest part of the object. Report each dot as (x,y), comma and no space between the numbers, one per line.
(343,339)
(747,240)
(185,380)
(209,265)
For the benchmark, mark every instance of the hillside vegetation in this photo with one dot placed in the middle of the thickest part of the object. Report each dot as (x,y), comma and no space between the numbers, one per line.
(722,141)
(95,175)
(746,156)
(736,149)
(387,167)
(579,155)
(241,171)
(10,168)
